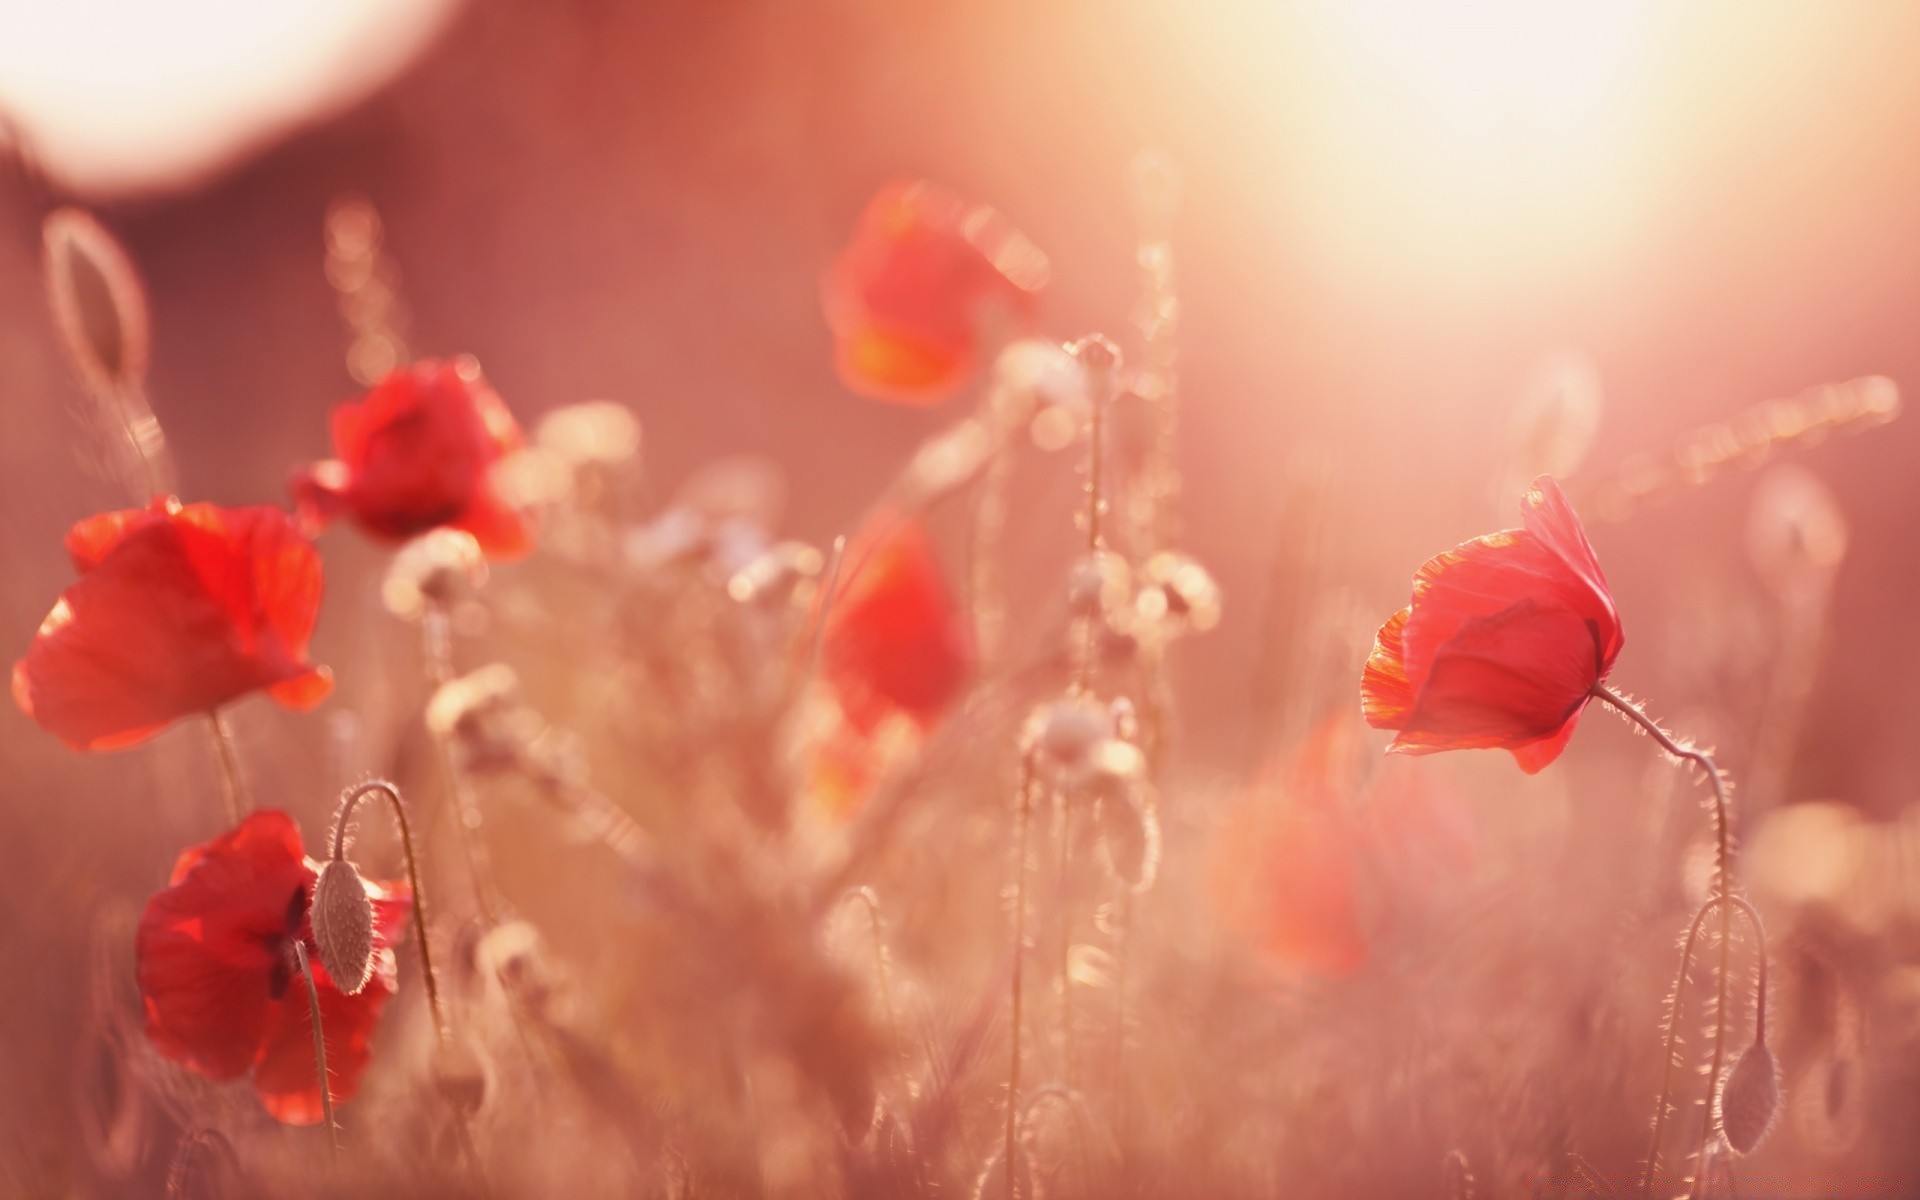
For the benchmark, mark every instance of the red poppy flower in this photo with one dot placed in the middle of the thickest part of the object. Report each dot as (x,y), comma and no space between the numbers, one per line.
(221,986)
(177,611)
(907,297)
(895,640)
(417,453)
(1503,644)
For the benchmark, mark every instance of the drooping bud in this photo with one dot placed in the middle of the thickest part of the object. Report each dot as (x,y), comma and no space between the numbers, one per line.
(342,918)
(1749,1099)
(98,303)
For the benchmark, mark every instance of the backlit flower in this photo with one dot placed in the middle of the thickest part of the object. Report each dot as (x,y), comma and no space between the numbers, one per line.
(1505,640)
(178,610)
(219,981)
(895,639)
(909,295)
(418,453)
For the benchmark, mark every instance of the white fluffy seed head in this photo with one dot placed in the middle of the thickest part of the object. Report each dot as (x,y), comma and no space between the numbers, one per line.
(343,926)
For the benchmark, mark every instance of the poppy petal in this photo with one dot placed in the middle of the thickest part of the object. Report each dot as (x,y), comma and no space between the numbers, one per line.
(1503,680)
(1387,696)
(287,1078)
(206,950)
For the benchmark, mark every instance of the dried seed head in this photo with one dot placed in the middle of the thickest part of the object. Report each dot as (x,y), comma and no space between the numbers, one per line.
(1749,1099)
(1097,584)
(1064,733)
(1796,535)
(677,536)
(772,578)
(1039,381)
(98,303)
(1177,596)
(342,919)
(460,1076)
(482,714)
(436,569)
(598,433)
(945,463)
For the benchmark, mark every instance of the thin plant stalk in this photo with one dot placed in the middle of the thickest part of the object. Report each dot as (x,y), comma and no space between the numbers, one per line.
(319,1047)
(1022,820)
(233,791)
(399,809)
(1722,887)
(1677,1003)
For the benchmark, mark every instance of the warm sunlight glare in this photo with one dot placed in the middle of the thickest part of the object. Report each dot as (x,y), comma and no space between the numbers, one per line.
(128,94)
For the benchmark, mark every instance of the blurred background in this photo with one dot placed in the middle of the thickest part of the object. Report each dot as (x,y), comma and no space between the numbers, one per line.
(1390,222)
(1393,227)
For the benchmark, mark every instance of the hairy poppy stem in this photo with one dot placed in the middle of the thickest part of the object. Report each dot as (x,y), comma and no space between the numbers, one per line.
(319,1046)
(827,598)
(233,790)
(436,635)
(398,807)
(1676,1005)
(1022,819)
(1721,897)
(884,977)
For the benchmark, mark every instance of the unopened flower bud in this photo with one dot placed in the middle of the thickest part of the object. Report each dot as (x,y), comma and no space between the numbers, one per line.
(342,919)
(1749,1099)
(99,306)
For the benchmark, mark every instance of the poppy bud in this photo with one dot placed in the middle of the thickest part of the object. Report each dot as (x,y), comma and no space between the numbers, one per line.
(342,919)
(1749,1099)
(98,304)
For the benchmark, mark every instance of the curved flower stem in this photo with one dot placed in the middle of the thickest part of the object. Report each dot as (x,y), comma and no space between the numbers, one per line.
(319,1046)
(1677,1004)
(341,819)
(233,790)
(1720,891)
